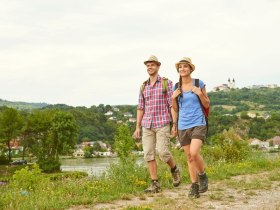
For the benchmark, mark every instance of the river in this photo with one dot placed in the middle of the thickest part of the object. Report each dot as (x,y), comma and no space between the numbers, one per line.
(92,166)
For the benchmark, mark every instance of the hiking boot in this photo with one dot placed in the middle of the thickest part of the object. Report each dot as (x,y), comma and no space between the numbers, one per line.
(194,191)
(176,177)
(203,183)
(153,188)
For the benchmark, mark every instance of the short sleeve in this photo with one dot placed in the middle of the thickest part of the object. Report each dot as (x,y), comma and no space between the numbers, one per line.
(201,84)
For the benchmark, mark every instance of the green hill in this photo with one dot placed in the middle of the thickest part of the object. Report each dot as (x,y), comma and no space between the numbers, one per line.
(234,101)
(22,105)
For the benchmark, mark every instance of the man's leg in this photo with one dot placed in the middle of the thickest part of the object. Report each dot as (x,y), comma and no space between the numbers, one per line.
(162,144)
(152,165)
(149,147)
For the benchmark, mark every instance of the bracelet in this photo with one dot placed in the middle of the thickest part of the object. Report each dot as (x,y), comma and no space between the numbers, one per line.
(174,123)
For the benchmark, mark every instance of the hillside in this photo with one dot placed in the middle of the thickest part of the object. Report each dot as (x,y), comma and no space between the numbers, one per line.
(22,105)
(234,101)
(228,109)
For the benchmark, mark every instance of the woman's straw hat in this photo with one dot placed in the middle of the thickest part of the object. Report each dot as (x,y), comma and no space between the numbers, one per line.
(185,60)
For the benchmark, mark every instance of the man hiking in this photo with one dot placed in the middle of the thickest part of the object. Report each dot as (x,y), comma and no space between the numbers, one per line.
(154,117)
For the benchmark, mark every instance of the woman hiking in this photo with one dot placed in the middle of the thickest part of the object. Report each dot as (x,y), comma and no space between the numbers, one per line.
(190,123)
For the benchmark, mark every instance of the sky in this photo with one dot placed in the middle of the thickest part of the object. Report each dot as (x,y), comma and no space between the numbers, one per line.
(91,52)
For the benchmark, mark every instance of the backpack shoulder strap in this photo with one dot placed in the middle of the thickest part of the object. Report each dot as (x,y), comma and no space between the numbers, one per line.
(196,82)
(176,85)
(164,84)
(143,86)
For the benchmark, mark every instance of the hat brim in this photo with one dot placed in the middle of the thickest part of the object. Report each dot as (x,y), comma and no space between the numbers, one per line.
(157,62)
(190,64)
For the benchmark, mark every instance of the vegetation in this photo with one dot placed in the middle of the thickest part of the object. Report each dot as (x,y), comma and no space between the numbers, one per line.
(32,189)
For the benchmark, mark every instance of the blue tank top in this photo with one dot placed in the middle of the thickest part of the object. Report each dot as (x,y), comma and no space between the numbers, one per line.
(190,112)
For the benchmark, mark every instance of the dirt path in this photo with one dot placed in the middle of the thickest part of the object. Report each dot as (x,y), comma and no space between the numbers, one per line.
(246,192)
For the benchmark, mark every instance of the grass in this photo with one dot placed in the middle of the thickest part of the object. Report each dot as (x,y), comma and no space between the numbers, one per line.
(61,191)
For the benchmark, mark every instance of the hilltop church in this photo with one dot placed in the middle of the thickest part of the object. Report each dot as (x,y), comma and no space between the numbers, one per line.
(225,87)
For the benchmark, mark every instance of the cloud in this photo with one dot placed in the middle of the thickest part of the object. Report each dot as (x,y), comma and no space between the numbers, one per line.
(92,52)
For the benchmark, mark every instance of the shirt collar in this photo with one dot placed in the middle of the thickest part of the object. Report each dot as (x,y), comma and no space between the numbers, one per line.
(158,79)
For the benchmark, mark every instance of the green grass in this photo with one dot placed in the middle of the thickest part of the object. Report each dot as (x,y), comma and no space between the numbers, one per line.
(61,191)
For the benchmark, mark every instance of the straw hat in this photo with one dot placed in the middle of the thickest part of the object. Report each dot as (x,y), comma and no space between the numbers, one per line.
(152,58)
(185,60)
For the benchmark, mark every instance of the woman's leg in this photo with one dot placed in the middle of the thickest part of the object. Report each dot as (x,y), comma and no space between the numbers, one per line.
(191,166)
(195,155)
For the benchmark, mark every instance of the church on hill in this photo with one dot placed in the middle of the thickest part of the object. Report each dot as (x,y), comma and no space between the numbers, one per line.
(225,87)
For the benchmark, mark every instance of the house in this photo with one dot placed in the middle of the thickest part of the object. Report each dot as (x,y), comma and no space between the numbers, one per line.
(115,109)
(275,140)
(259,143)
(127,114)
(79,153)
(132,119)
(112,118)
(109,113)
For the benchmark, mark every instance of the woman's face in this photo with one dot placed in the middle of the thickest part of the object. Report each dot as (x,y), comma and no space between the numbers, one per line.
(184,69)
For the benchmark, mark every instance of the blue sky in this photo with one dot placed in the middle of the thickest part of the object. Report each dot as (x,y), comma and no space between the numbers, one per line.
(84,53)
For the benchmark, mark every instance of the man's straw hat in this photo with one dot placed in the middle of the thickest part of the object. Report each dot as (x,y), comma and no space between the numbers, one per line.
(152,58)
(185,60)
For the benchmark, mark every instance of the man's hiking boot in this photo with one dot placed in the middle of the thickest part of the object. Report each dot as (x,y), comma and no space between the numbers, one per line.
(194,191)
(153,188)
(176,177)
(203,183)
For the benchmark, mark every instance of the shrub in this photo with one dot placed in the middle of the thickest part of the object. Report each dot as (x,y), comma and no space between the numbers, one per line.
(4,160)
(228,147)
(49,165)
(25,179)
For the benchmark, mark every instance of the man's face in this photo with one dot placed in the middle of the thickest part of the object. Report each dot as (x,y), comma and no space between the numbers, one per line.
(152,68)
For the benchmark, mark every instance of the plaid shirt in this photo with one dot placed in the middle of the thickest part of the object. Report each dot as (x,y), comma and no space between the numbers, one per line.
(156,104)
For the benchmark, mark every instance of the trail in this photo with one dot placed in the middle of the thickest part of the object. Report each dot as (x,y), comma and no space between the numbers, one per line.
(246,192)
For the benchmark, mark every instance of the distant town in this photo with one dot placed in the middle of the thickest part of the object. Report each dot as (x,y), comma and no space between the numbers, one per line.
(231,85)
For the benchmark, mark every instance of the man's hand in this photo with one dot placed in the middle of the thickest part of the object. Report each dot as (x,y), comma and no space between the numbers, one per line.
(137,133)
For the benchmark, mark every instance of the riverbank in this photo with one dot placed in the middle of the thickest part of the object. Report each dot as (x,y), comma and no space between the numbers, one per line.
(31,189)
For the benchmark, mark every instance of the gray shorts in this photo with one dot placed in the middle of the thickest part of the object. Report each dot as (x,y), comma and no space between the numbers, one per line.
(186,136)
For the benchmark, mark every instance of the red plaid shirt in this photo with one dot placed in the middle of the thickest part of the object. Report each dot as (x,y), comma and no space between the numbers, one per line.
(156,104)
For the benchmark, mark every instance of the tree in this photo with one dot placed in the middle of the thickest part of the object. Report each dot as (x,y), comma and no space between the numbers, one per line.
(10,127)
(64,132)
(124,144)
(51,133)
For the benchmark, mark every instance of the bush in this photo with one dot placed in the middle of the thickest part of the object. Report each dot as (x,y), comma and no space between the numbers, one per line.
(29,180)
(49,165)
(4,160)
(228,147)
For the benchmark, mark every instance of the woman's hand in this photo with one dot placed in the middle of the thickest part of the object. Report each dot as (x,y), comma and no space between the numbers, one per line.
(174,130)
(176,93)
(197,91)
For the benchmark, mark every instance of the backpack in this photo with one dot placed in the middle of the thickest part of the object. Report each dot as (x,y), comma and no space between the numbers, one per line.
(164,85)
(204,110)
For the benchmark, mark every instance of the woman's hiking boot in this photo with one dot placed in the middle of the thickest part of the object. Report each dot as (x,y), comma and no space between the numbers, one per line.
(153,188)
(194,191)
(176,177)
(203,183)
